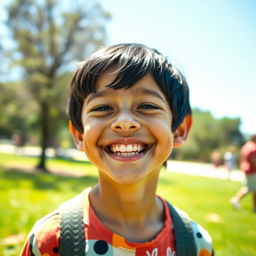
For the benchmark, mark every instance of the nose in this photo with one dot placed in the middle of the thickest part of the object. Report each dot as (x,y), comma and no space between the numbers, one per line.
(125,123)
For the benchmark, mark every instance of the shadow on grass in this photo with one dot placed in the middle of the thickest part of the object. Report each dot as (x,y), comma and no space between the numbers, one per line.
(14,177)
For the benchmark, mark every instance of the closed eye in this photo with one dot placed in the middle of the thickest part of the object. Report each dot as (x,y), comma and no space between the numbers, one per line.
(102,108)
(148,106)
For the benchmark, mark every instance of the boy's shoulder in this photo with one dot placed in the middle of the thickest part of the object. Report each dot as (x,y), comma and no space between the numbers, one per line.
(44,235)
(203,239)
(52,220)
(199,236)
(44,238)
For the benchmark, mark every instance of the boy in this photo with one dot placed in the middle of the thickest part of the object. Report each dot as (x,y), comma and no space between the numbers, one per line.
(128,108)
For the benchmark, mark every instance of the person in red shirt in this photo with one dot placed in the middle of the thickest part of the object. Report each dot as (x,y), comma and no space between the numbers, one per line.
(248,166)
(129,106)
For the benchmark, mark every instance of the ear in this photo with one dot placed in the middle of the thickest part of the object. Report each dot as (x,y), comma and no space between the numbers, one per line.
(77,136)
(181,134)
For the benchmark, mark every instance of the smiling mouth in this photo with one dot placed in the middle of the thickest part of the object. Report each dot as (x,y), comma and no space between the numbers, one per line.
(130,152)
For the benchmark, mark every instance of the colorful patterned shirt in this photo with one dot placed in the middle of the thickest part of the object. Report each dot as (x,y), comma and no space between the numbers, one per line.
(44,238)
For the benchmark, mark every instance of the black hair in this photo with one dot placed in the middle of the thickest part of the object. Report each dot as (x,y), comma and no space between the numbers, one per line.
(131,62)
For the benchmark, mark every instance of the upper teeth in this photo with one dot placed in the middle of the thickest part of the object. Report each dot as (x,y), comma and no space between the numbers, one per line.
(126,148)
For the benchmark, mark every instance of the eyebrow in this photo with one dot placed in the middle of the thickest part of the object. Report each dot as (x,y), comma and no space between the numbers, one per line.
(97,95)
(138,90)
(150,92)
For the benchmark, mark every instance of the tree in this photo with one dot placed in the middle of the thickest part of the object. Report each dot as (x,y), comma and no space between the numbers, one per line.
(209,134)
(48,36)
(13,111)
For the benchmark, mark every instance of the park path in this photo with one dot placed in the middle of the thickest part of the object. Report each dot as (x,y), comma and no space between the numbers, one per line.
(205,170)
(189,168)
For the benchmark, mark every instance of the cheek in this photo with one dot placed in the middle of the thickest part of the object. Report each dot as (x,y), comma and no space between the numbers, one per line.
(164,137)
(92,132)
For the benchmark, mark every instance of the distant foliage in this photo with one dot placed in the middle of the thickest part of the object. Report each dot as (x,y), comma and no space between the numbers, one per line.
(209,134)
(47,37)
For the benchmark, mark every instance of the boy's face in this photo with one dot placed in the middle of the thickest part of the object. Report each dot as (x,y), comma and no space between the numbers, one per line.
(127,132)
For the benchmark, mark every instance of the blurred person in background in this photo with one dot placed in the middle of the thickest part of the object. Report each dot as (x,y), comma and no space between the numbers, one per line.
(248,166)
(216,159)
(230,160)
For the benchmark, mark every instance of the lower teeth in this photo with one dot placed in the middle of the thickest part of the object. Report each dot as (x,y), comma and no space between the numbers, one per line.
(127,154)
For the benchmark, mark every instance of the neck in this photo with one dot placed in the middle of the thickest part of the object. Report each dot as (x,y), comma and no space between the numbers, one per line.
(127,206)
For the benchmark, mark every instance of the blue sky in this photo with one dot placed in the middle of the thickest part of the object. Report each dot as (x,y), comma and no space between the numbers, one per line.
(213,42)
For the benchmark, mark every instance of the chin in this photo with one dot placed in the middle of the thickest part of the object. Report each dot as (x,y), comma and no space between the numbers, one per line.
(130,176)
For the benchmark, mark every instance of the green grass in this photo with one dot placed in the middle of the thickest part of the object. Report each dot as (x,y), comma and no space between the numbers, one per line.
(26,197)
(206,200)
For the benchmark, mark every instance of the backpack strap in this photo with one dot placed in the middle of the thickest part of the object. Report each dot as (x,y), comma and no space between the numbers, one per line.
(184,237)
(72,237)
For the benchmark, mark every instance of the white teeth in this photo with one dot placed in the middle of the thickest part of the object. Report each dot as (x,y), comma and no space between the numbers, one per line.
(122,148)
(127,154)
(131,148)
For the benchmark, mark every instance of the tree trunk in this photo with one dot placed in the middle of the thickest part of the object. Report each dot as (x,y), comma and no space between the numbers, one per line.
(44,136)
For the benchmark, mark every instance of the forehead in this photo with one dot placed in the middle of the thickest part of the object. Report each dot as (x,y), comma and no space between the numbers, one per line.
(145,85)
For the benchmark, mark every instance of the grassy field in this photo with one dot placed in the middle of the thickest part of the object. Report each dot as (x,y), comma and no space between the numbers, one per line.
(27,196)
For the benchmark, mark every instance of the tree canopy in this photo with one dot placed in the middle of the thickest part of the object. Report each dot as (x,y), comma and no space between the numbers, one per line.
(209,134)
(47,37)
